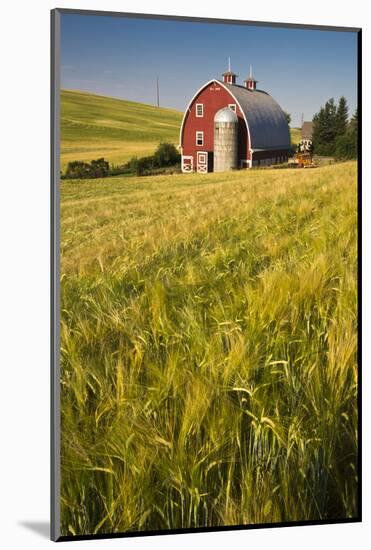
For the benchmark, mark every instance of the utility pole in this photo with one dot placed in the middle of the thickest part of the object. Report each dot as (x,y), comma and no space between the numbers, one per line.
(158,93)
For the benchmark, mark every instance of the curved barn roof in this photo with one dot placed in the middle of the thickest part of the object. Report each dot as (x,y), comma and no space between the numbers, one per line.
(266,120)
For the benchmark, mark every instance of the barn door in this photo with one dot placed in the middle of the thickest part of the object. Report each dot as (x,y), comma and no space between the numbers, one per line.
(187,163)
(202,162)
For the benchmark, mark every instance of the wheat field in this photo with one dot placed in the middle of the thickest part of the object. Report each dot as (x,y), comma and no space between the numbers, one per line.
(94,126)
(208,350)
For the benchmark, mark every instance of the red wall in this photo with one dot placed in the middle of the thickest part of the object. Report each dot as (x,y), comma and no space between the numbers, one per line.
(213,97)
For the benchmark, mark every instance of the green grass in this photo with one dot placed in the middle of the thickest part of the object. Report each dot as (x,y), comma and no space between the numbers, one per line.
(208,341)
(94,126)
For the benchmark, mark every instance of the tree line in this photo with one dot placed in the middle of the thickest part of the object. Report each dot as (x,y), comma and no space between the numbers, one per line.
(334,134)
(164,158)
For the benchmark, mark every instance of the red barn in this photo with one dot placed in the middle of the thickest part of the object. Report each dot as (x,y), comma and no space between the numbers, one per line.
(228,126)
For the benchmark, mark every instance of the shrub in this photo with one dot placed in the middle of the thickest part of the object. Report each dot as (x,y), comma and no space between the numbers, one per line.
(78,169)
(166,155)
(144,164)
(99,168)
(345,147)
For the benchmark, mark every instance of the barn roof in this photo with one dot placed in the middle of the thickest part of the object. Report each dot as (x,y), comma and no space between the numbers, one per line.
(266,120)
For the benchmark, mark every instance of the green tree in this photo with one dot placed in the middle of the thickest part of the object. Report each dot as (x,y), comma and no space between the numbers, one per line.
(342,117)
(319,138)
(77,169)
(99,168)
(353,129)
(166,154)
(288,117)
(325,129)
(347,143)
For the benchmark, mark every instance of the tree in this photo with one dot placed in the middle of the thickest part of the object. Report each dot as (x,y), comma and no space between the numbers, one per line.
(341,117)
(353,129)
(318,136)
(166,154)
(99,168)
(288,117)
(79,170)
(345,147)
(325,129)
(347,143)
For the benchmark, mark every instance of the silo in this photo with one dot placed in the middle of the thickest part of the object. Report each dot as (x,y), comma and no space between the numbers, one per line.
(225,140)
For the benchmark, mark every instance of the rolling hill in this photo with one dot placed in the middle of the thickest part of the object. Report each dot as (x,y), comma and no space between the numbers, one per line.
(94,126)
(295,135)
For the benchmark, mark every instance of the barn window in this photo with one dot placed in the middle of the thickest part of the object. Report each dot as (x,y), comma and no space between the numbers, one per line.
(199,109)
(199,138)
(232,106)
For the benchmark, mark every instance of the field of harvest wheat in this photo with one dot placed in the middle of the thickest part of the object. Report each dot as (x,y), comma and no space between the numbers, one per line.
(94,126)
(208,349)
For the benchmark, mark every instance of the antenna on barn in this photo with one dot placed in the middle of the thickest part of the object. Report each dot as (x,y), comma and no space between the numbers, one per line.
(228,76)
(158,92)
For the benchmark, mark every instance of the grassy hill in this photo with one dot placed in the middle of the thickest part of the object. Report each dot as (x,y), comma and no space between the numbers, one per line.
(208,349)
(93,126)
(295,135)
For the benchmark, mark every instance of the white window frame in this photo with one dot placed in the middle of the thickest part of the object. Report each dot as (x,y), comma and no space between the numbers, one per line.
(199,132)
(202,110)
(232,106)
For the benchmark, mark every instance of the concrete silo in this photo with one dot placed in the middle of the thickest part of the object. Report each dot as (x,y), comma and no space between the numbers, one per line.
(225,140)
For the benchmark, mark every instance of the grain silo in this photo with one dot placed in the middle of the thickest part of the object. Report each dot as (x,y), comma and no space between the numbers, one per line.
(225,140)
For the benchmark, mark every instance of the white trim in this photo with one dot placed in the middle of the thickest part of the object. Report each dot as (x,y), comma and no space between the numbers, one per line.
(203,165)
(219,83)
(188,109)
(199,153)
(191,163)
(202,109)
(199,144)
(245,163)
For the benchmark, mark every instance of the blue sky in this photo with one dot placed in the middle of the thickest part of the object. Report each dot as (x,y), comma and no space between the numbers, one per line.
(122,57)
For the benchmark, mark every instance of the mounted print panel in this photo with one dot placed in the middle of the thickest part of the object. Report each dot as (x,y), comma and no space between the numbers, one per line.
(205,274)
